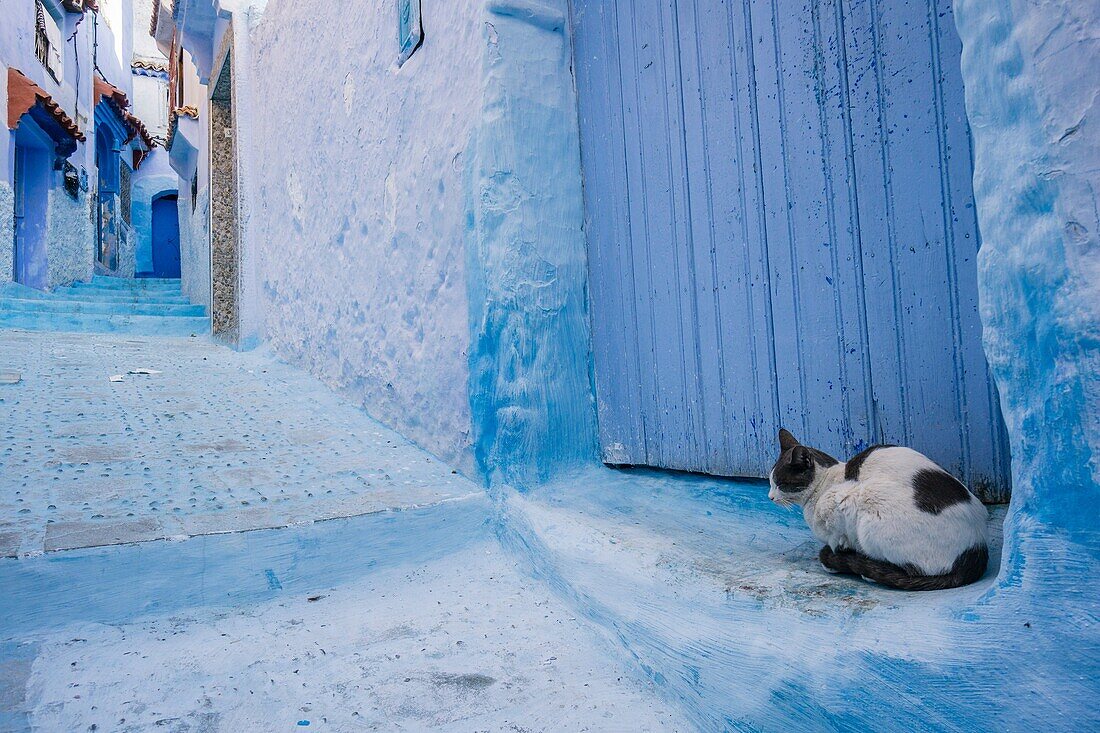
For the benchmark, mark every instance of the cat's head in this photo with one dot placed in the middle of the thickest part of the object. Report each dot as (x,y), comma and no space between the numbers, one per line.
(795,470)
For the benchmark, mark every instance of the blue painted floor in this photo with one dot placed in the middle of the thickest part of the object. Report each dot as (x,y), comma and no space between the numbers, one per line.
(413,600)
(715,594)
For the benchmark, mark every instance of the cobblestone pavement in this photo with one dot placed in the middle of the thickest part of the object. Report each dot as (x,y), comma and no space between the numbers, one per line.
(212,441)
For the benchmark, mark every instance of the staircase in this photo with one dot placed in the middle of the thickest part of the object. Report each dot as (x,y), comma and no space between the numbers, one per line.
(145,307)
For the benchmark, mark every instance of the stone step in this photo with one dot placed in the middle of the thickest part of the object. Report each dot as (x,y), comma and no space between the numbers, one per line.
(99,307)
(127,289)
(117,296)
(137,325)
(146,283)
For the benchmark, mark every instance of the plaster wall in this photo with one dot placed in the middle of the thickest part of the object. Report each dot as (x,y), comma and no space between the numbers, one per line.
(70,247)
(530,391)
(150,103)
(194,244)
(115,36)
(1032,93)
(189,158)
(73,92)
(1032,99)
(429,263)
(143,43)
(361,207)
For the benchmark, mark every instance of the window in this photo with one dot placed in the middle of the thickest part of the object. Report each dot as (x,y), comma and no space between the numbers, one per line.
(194,191)
(48,43)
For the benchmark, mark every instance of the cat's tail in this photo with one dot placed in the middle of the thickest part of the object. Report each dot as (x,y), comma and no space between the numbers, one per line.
(969,566)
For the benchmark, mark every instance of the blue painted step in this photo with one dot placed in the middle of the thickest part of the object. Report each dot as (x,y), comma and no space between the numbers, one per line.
(147,283)
(101,307)
(90,323)
(105,305)
(118,296)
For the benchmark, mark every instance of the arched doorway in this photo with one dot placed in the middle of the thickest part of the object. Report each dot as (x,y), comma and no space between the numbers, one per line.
(166,236)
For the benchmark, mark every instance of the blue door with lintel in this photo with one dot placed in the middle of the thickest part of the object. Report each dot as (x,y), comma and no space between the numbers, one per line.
(166,236)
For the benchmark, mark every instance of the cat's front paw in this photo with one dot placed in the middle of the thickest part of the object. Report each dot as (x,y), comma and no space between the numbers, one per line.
(828,560)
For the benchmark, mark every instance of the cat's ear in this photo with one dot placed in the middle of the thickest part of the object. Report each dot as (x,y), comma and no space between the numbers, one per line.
(801,457)
(786,440)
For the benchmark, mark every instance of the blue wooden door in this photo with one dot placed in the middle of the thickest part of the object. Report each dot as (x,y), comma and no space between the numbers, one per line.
(166,237)
(31,190)
(782,232)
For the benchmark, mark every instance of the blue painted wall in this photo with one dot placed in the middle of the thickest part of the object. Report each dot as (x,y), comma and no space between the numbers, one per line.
(530,392)
(363,281)
(782,233)
(423,251)
(1037,184)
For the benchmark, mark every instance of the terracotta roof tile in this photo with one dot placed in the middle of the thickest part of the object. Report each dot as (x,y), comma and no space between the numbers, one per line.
(24,94)
(140,129)
(104,90)
(150,64)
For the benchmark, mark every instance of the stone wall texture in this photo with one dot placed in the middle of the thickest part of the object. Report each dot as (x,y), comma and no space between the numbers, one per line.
(7,232)
(70,248)
(224,228)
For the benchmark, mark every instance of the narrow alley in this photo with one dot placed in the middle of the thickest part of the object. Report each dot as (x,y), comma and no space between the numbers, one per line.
(549,365)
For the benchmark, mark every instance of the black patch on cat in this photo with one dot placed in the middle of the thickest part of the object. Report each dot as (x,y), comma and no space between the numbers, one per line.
(851,468)
(934,490)
(970,564)
(795,469)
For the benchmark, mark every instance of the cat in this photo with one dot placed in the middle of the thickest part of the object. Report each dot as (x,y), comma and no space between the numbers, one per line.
(890,515)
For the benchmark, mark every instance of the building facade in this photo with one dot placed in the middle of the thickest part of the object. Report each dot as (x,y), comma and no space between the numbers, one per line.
(76,145)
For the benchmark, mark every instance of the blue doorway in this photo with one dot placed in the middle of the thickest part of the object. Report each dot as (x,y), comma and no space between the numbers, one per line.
(32,183)
(166,236)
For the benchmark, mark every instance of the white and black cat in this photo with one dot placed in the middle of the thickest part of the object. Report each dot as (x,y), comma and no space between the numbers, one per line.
(889,514)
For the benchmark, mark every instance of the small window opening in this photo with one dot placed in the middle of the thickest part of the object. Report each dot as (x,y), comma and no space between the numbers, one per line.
(48,43)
